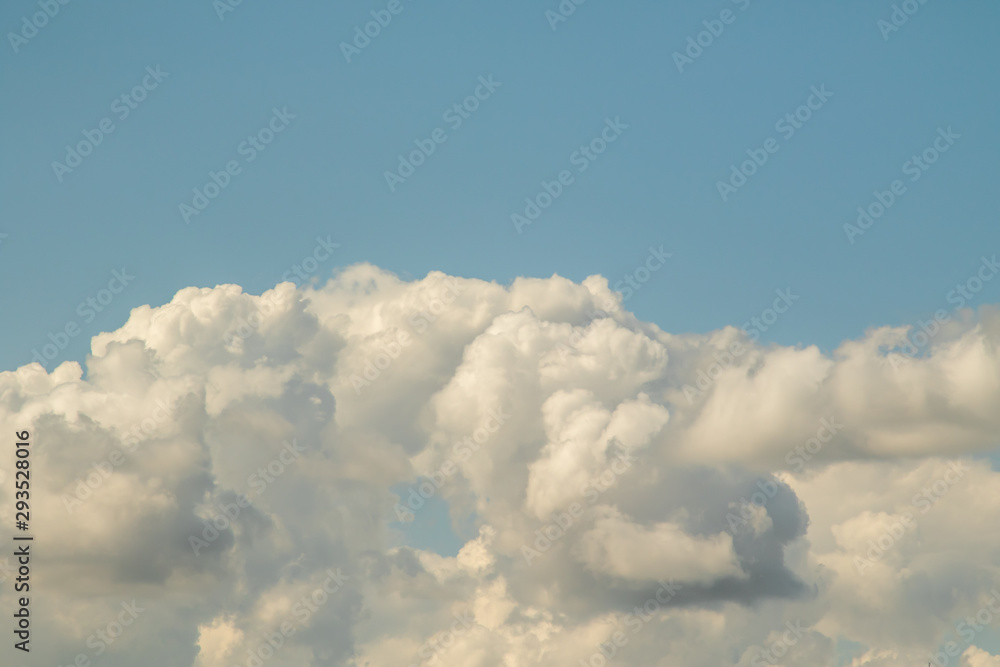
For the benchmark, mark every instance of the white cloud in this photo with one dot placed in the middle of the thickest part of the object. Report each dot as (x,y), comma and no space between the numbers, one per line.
(191,404)
(977,657)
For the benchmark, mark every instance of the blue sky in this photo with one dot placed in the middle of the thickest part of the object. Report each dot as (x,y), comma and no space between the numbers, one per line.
(323,175)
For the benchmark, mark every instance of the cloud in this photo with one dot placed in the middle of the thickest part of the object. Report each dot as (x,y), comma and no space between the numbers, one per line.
(622,548)
(227,457)
(977,657)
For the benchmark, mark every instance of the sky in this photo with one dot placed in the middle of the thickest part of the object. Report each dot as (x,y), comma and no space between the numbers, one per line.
(630,258)
(557,82)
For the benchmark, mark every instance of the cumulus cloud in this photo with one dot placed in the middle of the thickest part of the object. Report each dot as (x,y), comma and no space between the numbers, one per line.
(230,464)
(622,548)
(977,657)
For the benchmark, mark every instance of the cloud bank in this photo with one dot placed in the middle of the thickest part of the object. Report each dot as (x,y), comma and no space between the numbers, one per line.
(229,469)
